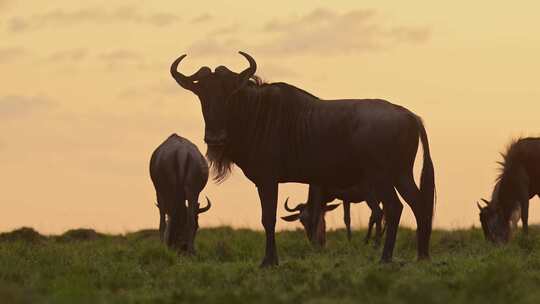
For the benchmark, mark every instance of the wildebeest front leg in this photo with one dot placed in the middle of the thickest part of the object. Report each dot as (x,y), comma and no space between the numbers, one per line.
(525,216)
(347,217)
(268,196)
(392,210)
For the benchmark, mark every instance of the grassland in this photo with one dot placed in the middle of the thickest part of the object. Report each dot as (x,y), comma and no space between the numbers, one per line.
(84,267)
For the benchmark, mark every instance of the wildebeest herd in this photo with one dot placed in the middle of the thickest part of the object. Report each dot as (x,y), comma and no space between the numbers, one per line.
(354,150)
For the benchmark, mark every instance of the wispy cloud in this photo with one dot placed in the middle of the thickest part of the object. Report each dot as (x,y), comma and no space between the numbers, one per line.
(15,106)
(213,45)
(121,58)
(60,18)
(5,3)
(202,18)
(320,32)
(225,30)
(11,53)
(326,32)
(72,55)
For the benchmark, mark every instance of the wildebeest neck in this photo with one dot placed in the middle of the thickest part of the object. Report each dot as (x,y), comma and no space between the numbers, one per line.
(261,119)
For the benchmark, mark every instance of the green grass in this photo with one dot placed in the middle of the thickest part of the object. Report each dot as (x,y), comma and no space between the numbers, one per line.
(84,267)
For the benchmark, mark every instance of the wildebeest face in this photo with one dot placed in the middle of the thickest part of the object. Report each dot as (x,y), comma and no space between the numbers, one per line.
(317,234)
(193,224)
(493,225)
(178,230)
(214,90)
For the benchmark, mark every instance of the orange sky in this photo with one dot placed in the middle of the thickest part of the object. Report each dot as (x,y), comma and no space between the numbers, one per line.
(86,95)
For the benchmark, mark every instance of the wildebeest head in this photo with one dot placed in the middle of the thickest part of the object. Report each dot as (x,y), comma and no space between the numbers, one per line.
(213,90)
(495,228)
(193,222)
(303,213)
(180,231)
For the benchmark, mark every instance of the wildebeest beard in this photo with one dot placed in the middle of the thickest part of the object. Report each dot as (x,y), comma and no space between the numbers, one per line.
(220,164)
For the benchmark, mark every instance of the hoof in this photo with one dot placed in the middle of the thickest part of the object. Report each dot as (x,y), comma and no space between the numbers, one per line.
(269,262)
(387,260)
(424,258)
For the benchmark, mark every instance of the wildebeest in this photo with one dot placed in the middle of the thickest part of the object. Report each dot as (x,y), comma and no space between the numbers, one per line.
(278,133)
(357,194)
(518,182)
(179,172)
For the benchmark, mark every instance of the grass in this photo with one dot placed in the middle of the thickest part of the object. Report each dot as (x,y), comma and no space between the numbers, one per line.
(82,266)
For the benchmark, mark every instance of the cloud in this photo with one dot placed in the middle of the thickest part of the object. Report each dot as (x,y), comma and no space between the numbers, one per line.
(325,32)
(11,53)
(73,55)
(320,32)
(5,3)
(16,106)
(122,58)
(212,46)
(202,18)
(225,30)
(61,18)
(270,72)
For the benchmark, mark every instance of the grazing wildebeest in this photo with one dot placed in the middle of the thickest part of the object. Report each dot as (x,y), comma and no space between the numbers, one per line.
(179,172)
(278,133)
(518,182)
(356,194)
(303,214)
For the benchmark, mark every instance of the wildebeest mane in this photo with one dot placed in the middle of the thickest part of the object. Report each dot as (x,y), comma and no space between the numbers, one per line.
(508,178)
(510,159)
(256,113)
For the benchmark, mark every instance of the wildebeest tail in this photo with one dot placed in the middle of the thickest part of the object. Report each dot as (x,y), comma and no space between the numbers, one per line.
(427,178)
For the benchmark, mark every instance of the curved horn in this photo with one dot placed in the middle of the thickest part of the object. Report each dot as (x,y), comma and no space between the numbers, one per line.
(187,82)
(250,71)
(297,208)
(479,207)
(485,201)
(208,205)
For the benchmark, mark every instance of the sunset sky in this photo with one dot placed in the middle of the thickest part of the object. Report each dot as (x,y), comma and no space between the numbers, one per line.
(86,95)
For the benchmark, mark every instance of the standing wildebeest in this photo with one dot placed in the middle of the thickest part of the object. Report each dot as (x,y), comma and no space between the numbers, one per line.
(277,133)
(179,173)
(356,194)
(518,182)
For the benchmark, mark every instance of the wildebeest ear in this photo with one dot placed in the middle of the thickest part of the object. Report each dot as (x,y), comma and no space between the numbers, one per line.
(330,207)
(291,218)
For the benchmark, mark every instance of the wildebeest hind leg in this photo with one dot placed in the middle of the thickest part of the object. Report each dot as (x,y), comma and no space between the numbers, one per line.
(268,197)
(411,194)
(392,210)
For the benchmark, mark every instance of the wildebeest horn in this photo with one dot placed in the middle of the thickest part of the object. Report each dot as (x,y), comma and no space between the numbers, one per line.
(297,208)
(250,71)
(479,207)
(187,82)
(208,205)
